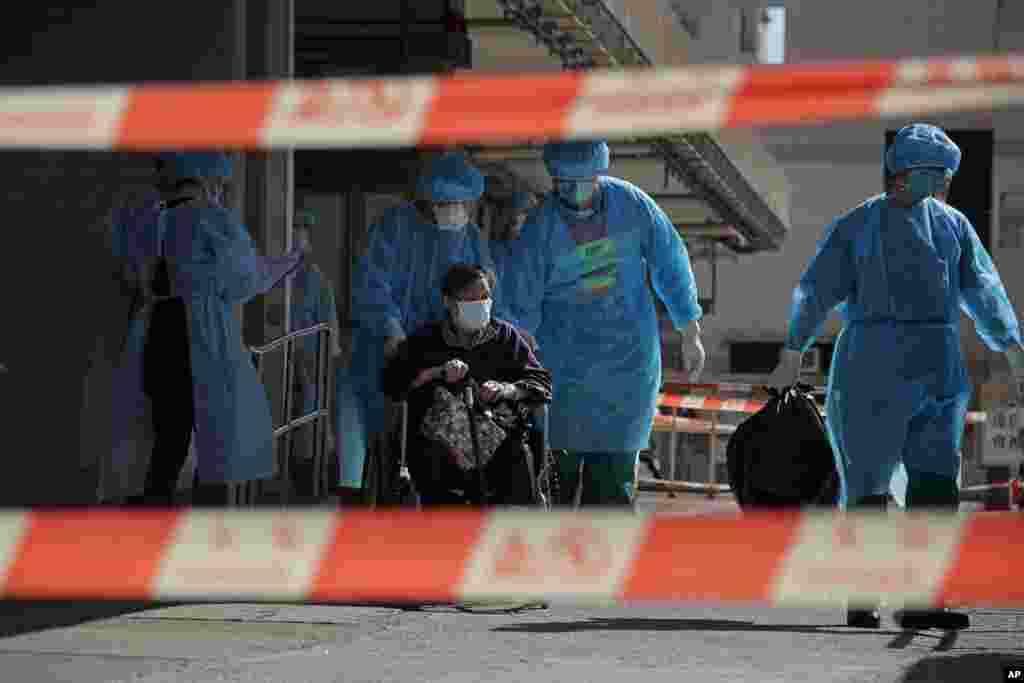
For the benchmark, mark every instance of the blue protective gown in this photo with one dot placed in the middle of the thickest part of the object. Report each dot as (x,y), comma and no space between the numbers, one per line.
(312,303)
(132,241)
(213,267)
(396,288)
(898,390)
(582,292)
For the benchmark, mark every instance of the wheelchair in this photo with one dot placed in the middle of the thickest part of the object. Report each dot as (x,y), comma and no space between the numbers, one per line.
(389,483)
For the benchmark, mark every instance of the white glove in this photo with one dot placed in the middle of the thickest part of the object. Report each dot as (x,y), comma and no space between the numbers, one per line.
(1015,359)
(392,344)
(787,372)
(396,335)
(693,352)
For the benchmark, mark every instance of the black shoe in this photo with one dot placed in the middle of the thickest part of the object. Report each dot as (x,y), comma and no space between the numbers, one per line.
(863,618)
(923,619)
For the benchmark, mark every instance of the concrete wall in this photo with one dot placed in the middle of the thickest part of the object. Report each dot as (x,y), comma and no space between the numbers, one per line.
(61,309)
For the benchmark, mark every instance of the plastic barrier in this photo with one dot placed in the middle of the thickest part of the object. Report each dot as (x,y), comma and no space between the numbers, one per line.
(494,109)
(772,559)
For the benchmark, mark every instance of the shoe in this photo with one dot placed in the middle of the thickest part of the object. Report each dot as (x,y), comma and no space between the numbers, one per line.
(923,619)
(863,618)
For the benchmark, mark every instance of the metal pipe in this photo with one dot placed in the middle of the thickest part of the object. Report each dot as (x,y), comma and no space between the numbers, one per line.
(673,445)
(712,450)
(285,443)
(319,432)
(292,425)
(320,417)
(662,485)
(280,341)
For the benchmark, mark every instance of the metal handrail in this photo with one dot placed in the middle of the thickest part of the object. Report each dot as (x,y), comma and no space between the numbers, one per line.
(291,336)
(300,421)
(319,418)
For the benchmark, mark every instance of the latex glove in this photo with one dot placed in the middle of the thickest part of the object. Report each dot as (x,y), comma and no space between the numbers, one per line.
(496,391)
(787,372)
(1015,359)
(395,336)
(454,371)
(693,352)
(391,346)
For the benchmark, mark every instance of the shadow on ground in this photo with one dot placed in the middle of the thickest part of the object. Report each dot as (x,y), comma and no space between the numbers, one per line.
(957,669)
(20,617)
(900,638)
(680,625)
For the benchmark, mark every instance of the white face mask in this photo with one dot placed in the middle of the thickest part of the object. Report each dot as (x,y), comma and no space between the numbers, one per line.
(451,216)
(473,316)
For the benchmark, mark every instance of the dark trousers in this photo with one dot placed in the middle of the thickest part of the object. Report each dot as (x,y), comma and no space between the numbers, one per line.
(167,380)
(440,482)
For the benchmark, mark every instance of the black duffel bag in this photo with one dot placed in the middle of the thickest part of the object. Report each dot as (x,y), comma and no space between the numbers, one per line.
(781,457)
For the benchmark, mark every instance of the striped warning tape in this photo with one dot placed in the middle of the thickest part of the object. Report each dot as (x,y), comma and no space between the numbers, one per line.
(472,108)
(733,388)
(740,405)
(690,402)
(775,559)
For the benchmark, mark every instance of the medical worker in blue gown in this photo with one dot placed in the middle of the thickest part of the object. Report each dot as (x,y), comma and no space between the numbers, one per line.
(122,471)
(503,241)
(313,302)
(903,265)
(578,283)
(184,366)
(396,288)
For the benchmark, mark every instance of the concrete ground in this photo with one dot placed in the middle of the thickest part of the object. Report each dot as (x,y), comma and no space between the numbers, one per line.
(87,642)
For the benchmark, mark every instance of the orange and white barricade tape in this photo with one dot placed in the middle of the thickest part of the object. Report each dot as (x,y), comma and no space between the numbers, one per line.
(700,400)
(773,559)
(495,109)
(713,429)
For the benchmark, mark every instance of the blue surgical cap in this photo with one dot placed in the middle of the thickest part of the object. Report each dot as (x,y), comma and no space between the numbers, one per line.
(578,160)
(921,144)
(520,201)
(450,178)
(190,165)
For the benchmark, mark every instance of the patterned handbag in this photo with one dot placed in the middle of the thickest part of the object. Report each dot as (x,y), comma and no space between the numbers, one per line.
(447,423)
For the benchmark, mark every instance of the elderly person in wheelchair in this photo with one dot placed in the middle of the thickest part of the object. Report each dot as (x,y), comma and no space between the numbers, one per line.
(469,382)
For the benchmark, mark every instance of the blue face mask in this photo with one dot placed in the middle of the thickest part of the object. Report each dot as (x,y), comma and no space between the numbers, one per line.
(575,193)
(924,182)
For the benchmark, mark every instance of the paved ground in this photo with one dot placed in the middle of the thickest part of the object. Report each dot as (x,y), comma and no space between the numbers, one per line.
(87,643)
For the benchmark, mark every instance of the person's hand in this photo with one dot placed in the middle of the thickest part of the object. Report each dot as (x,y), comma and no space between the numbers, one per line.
(391,346)
(693,352)
(787,372)
(1015,359)
(496,391)
(693,357)
(455,371)
(428,375)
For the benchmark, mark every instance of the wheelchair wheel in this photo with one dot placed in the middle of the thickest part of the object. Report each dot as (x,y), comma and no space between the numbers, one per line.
(548,489)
